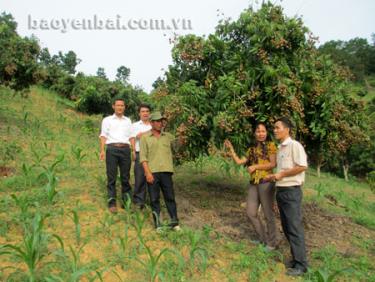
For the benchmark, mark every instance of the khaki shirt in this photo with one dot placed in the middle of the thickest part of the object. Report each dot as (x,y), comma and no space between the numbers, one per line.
(291,154)
(157,151)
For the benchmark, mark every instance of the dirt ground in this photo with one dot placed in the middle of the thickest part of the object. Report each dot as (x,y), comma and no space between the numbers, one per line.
(219,206)
(6,171)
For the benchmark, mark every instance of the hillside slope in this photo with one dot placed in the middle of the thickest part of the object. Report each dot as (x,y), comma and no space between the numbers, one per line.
(53,200)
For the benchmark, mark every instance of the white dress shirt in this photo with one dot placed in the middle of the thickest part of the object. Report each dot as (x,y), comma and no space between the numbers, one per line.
(139,127)
(116,129)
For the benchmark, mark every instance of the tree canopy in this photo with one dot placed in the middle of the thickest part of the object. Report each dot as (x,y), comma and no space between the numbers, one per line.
(259,67)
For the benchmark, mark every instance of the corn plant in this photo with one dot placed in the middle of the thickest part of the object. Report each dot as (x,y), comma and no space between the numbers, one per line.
(322,275)
(105,223)
(127,205)
(60,158)
(36,125)
(123,254)
(23,203)
(73,278)
(50,187)
(52,180)
(71,262)
(139,220)
(151,264)
(196,250)
(118,276)
(33,248)
(27,173)
(97,276)
(128,219)
(77,226)
(25,118)
(78,154)
(123,243)
(38,155)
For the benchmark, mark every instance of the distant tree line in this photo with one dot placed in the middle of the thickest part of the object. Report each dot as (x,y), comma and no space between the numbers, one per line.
(24,63)
(357,54)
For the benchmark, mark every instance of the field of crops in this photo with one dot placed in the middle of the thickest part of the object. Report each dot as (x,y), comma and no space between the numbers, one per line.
(54,224)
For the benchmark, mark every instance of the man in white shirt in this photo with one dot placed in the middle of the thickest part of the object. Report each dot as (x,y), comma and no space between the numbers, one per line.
(115,149)
(289,177)
(138,129)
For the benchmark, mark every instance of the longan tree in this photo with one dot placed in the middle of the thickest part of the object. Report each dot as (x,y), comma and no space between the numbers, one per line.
(257,68)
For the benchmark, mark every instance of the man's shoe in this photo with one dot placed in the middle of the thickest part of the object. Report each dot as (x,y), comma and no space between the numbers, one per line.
(290,264)
(177,228)
(113,210)
(295,272)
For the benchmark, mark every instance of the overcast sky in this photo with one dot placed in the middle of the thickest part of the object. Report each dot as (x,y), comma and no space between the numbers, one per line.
(145,49)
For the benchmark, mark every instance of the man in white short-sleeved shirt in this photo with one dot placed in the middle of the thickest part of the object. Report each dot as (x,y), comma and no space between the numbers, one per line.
(138,129)
(115,150)
(289,177)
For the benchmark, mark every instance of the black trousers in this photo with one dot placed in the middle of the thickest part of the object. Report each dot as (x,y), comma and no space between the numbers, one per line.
(289,200)
(163,181)
(118,158)
(140,186)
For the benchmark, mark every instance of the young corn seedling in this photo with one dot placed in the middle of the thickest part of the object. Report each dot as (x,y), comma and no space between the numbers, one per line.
(105,223)
(27,173)
(321,275)
(38,155)
(36,126)
(33,248)
(78,154)
(49,174)
(77,226)
(123,254)
(71,264)
(25,118)
(127,204)
(139,221)
(50,187)
(151,265)
(22,202)
(195,250)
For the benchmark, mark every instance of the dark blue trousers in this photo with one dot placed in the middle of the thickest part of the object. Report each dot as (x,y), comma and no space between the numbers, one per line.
(163,181)
(289,200)
(118,158)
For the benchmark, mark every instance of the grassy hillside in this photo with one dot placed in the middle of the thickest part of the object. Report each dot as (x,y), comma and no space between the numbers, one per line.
(54,224)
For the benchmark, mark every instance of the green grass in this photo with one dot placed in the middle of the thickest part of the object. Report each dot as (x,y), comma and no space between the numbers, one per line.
(353,199)
(54,225)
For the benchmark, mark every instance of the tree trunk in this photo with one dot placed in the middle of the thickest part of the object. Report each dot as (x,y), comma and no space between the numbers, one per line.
(319,165)
(346,171)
